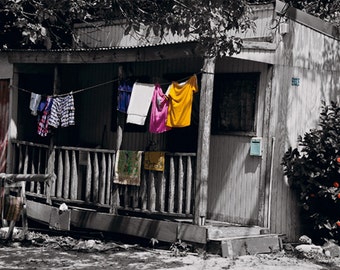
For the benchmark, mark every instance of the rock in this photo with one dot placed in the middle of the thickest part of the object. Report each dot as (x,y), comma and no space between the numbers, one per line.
(63,207)
(288,247)
(331,249)
(304,239)
(309,249)
(90,244)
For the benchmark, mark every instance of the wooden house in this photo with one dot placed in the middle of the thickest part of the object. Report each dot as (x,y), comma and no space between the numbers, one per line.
(224,167)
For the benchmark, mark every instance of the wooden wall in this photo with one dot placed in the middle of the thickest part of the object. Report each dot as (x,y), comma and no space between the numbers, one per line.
(315,59)
(96,105)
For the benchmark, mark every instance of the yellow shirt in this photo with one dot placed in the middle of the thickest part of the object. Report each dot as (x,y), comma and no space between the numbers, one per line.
(180,102)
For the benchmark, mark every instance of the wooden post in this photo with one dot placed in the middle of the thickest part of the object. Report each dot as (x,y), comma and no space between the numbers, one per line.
(119,139)
(264,199)
(13,119)
(202,169)
(51,151)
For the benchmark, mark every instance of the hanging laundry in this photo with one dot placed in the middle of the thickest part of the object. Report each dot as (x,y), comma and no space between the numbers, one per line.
(44,110)
(62,112)
(139,103)
(159,111)
(12,207)
(180,102)
(34,103)
(154,161)
(128,167)
(124,94)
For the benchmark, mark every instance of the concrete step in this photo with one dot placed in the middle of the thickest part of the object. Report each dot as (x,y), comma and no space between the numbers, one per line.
(245,245)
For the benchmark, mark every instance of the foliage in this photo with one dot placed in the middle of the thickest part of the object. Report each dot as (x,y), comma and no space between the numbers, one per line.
(48,23)
(213,23)
(314,171)
(44,23)
(179,248)
(328,10)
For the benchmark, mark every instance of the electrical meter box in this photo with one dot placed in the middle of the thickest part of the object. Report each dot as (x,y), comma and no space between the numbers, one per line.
(256,146)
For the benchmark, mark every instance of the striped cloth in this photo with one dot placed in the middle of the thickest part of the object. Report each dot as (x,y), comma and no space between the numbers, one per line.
(10,206)
(62,112)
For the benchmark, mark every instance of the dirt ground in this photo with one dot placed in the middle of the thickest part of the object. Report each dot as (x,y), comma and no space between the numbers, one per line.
(42,251)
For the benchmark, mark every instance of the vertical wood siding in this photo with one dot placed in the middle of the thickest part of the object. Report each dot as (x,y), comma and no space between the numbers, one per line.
(235,176)
(314,59)
(96,105)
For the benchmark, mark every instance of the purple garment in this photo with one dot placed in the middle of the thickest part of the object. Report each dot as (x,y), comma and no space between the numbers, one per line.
(44,108)
(159,111)
(124,94)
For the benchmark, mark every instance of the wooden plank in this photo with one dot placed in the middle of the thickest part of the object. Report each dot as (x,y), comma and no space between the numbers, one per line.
(161,191)
(188,186)
(25,177)
(95,178)
(171,186)
(192,233)
(250,245)
(88,178)
(202,168)
(126,196)
(146,228)
(60,176)
(114,55)
(74,177)
(25,169)
(32,185)
(38,211)
(180,185)
(152,192)
(143,191)
(265,176)
(39,171)
(109,179)
(102,180)
(66,187)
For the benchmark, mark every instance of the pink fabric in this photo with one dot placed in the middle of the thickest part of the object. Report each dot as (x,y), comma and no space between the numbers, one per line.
(159,111)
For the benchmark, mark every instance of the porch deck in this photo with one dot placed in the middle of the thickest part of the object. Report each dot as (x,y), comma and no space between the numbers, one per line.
(225,239)
(161,208)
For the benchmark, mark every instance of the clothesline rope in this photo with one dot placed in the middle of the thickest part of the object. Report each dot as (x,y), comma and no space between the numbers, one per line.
(97,85)
(72,92)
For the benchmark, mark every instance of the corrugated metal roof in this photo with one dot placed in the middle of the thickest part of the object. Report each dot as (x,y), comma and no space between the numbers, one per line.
(113,36)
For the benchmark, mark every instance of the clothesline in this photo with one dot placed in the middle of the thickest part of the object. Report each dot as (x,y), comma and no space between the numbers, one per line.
(72,92)
(95,86)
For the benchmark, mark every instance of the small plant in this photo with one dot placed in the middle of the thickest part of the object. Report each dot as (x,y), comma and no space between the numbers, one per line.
(153,242)
(313,169)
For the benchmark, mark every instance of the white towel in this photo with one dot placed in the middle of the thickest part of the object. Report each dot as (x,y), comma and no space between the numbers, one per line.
(140,102)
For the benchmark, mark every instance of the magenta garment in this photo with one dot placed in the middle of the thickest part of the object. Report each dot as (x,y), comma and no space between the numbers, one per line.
(159,111)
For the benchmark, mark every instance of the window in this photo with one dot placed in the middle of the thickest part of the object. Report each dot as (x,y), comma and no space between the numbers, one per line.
(234,103)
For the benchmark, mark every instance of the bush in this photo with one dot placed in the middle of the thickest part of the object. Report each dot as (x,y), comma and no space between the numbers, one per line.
(313,169)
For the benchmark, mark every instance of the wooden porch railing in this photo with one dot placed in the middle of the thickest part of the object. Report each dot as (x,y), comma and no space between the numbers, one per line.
(84,175)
